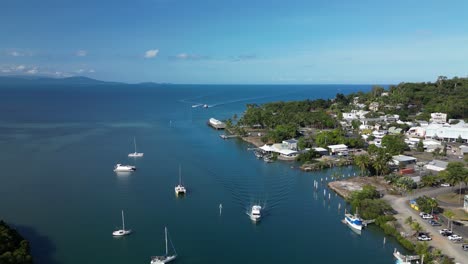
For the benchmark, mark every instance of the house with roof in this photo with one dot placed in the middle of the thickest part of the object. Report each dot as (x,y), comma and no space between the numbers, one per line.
(403,160)
(340,149)
(290,144)
(436,165)
(438,118)
(284,152)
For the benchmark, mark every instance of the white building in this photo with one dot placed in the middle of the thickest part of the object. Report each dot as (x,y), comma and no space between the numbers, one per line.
(338,149)
(284,153)
(374,106)
(403,160)
(438,118)
(417,131)
(290,144)
(436,165)
(446,132)
(354,115)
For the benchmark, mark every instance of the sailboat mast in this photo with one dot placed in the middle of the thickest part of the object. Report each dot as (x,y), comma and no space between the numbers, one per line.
(180,175)
(134,143)
(165,231)
(123,221)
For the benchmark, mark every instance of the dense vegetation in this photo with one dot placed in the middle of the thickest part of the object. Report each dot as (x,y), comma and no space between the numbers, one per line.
(444,95)
(13,248)
(411,101)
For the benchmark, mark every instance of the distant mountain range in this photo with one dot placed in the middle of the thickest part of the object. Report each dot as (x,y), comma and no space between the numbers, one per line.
(8,81)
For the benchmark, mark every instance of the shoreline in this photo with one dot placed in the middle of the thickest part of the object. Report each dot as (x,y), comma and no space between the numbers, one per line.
(344,187)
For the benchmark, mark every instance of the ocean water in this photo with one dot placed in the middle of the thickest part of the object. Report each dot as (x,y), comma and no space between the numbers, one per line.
(57,185)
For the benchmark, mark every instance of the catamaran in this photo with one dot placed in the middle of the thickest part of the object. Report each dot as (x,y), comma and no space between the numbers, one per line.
(180,189)
(122,232)
(166,258)
(135,154)
(255,213)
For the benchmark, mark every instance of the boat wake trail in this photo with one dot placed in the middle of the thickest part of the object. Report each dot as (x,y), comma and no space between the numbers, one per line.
(268,190)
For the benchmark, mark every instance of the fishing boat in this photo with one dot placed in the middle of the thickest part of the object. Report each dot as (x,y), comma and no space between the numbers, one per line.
(180,189)
(267,159)
(205,106)
(405,259)
(122,232)
(166,258)
(255,214)
(354,221)
(135,154)
(124,168)
(258,154)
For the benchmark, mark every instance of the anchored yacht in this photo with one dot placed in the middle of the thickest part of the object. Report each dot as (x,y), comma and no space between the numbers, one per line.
(120,167)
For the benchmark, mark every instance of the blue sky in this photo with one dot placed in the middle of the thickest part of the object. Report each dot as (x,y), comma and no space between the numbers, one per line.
(236,42)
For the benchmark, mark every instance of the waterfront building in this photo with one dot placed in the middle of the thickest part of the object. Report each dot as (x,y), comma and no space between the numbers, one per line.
(338,149)
(403,160)
(290,144)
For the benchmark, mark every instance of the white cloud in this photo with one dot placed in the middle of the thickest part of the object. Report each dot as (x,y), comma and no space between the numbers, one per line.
(32,71)
(91,71)
(151,53)
(15,53)
(81,53)
(186,56)
(6,70)
(182,56)
(20,67)
(80,71)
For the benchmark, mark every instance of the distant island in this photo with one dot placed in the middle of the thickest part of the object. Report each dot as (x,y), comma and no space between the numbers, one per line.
(14,249)
(19,81)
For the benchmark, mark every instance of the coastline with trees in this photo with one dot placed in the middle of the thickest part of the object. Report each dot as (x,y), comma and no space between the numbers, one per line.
(322,122)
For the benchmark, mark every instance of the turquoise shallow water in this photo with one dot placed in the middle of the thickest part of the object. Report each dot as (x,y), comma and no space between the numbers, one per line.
(59,146)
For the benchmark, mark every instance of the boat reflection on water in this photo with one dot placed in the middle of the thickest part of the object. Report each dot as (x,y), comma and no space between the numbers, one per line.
(123,173)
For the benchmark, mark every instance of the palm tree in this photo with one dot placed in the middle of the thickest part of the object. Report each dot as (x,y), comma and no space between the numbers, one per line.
(416,227)
(362,161)
(433,203)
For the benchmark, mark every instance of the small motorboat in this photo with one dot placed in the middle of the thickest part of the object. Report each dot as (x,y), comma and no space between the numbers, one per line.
(124,168)
(255,213)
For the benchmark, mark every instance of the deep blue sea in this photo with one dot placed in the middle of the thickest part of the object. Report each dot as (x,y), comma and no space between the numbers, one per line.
(57,186)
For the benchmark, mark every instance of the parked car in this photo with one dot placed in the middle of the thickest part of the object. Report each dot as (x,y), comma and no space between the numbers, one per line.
(444,230)
(455,237)
(465,247)
(434,223)
(424,238)
(422,213)
(445,184)
(427,216)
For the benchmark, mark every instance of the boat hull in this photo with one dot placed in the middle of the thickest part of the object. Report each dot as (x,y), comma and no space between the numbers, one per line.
(353,222)
(136,155)
(119,233)
(162,259)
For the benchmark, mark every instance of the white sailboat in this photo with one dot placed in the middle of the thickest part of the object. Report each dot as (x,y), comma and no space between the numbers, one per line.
(122,232)
(180,189)
(166,258)
(135,154)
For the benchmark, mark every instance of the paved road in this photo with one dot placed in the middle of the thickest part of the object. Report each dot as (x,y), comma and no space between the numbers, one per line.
(400,204)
